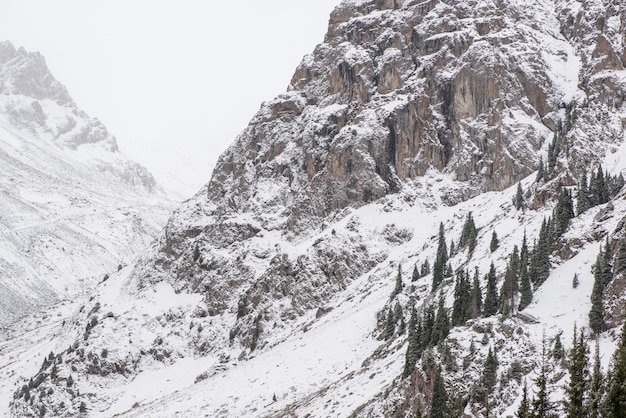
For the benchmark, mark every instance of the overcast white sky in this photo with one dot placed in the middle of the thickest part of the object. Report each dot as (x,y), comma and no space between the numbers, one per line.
(174,81)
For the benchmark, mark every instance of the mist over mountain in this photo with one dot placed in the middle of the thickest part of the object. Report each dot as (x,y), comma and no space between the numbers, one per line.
(422,224)
(73,208)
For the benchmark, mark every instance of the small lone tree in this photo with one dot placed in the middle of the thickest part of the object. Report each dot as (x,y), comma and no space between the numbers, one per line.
(441,259)
(494,243)
(399,285)
(575,281)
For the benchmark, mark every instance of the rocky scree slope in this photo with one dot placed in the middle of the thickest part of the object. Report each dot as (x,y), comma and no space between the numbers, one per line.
(72,207)
(404,117)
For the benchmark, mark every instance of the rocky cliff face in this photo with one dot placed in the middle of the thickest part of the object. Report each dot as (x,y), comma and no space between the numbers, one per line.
(405,116)
(400,93)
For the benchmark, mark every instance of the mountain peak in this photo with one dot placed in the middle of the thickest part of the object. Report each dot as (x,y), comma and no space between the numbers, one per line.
(26,73)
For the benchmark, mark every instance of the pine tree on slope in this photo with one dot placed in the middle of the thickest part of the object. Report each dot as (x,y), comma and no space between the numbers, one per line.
(584,203)
(615,402)
(413,349)
(490,370)
(399,285)
(390,325)
(542,406)
(523,411)
(596,387)
(576,389)
(416,274)
(440,259)
(494,243)
(439,403)
(491,298)
(461,306)
(468,234)
(441,328)
(476,304)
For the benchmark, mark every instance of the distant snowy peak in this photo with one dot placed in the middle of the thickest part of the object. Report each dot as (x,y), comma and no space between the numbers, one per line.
(71,202)
(33,102)
(27,74)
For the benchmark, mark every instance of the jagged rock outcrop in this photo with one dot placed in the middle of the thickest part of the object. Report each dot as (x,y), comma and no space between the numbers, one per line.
(402,91)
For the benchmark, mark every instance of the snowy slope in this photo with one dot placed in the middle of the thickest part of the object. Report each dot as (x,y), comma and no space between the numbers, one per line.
(72,206)
(266,293)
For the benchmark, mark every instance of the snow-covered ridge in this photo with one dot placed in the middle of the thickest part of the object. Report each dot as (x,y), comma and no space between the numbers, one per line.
(409,115)
(73,208)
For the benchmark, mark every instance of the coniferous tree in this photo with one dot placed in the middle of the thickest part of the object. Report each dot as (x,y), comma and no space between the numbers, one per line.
(584,202)
(491,298)
(596,314)
(428,323)
(518,201)
(523,411)
(416,274)
(495,243)
(596,387)
(402,326)
(490,370)
(425,269)
(390,325)
(593,196)
(615,402)
(413,349)
(617,185)
(576,389)
(398,317)
(542,406)
(554,150)
(558,351)
(526,292)
(468,234)
(523,254)
(441,328)
(510,286)
(575,281)
(441,259)
(439,403)
(540,171)
(539,268)
(452,248)
(461,306)
(599,188)
(477,297)
(399,285)
(563,212)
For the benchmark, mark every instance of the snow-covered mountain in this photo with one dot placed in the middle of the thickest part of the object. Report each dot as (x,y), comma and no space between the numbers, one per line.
(286,286)
(72,207)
